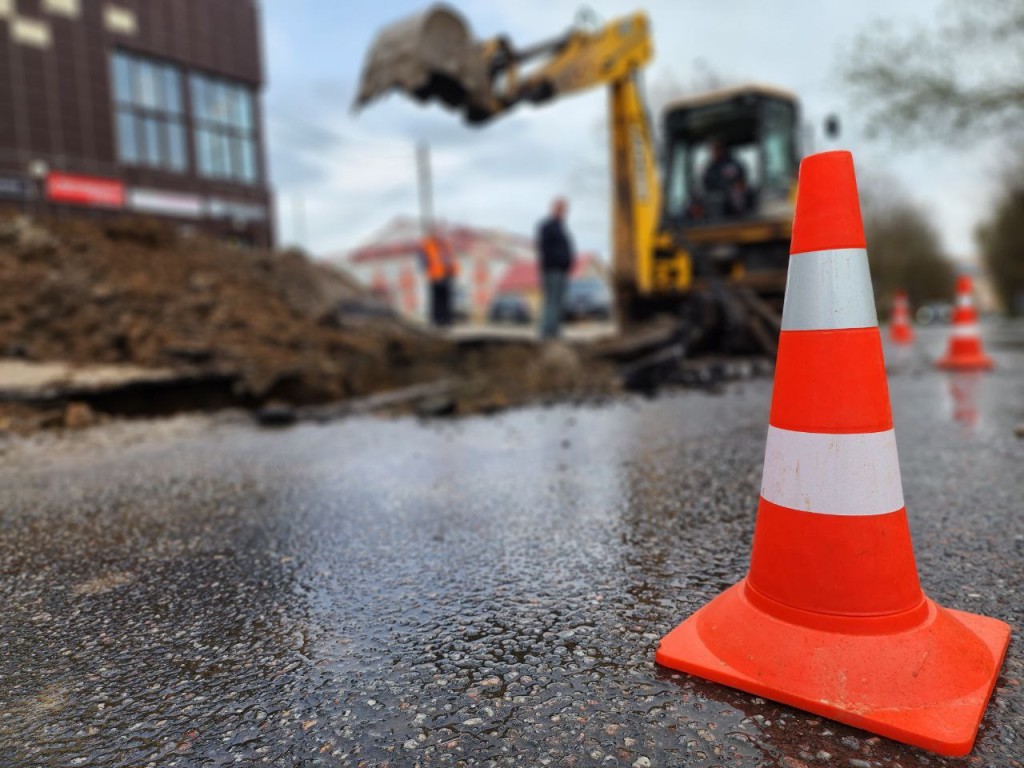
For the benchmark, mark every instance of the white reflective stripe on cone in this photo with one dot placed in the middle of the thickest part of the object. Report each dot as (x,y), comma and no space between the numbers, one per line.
(966,331)
(963,300)
(854,474)
(828,290)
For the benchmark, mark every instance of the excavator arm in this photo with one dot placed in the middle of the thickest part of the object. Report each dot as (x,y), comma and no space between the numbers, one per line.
(579,60)
(432,56)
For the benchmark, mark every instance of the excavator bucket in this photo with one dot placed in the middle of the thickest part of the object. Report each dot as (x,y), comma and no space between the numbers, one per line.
(430,55)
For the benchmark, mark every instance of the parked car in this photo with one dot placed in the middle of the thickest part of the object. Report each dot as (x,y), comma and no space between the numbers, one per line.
(588,298)
(935,313)
(509,308)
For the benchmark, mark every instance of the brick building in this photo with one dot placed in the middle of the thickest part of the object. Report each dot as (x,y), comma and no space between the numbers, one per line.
(145,106)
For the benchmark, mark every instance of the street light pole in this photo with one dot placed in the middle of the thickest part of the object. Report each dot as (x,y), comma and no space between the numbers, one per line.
(425,186)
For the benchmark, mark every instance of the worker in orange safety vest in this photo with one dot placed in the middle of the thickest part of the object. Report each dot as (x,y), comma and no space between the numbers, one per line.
(442,268)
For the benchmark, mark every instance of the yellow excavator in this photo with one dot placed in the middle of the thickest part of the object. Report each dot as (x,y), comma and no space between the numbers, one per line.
(712,253)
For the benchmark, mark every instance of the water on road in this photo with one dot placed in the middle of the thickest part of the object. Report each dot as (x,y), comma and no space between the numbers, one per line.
(489,591)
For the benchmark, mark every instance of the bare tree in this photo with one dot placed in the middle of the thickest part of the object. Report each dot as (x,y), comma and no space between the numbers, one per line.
(962,77)
(1001,240)
(904,249)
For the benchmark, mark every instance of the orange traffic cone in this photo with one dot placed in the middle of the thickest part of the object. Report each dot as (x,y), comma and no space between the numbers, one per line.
(899,326)
(831,617)
(965,352)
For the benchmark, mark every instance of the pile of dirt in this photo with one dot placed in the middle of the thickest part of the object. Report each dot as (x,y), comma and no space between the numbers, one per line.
(280,326)
(134,291)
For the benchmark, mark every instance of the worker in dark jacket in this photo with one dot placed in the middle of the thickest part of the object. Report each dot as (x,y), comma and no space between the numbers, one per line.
(556,257)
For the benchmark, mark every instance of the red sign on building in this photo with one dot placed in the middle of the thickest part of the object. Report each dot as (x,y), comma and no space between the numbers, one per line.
(85,190)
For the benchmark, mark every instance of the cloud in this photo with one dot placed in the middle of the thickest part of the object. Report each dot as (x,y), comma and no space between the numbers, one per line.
(357,172)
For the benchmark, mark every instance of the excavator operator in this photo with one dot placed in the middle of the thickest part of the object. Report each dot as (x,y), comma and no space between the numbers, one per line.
(725,182)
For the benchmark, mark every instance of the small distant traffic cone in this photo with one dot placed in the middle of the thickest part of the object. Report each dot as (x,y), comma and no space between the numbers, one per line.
(900,330)
(965,352)
(831,617)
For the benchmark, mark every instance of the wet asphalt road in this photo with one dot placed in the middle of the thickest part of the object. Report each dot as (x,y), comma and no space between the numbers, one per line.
(197,592)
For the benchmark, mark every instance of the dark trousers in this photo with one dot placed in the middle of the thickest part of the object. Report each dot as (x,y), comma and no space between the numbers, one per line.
(553,283)
(441,302)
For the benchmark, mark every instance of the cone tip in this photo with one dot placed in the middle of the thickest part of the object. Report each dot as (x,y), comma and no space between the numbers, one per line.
(827,207)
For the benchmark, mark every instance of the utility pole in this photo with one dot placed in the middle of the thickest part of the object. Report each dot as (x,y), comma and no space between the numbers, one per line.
(425,186)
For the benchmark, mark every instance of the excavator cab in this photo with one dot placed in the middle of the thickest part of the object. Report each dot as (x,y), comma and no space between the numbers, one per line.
(737,221)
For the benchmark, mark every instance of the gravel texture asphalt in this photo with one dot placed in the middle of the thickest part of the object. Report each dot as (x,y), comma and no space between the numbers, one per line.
(488,591)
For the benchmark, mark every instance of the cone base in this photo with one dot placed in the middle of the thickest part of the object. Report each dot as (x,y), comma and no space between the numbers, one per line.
(965,363)
(927,686)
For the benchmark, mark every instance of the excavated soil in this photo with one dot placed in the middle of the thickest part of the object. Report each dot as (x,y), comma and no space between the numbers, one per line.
(274,326)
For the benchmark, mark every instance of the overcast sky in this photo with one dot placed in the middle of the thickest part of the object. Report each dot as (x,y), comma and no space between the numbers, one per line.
(352,173)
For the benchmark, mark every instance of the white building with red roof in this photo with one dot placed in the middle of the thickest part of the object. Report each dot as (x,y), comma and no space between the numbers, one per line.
(491,262)
(389,263)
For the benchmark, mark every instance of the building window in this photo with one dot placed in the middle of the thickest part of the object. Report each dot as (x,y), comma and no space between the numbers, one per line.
(225,131)
(150,119)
